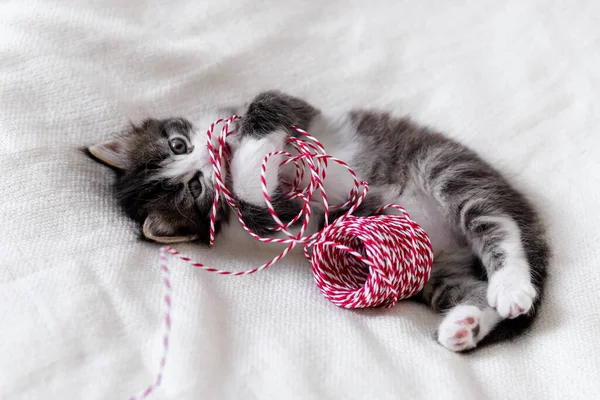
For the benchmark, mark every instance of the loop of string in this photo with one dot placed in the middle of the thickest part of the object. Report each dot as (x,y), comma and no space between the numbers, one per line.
(356,261)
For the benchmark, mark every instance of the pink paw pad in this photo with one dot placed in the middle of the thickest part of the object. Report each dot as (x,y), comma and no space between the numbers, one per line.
(461,334)
(512,314)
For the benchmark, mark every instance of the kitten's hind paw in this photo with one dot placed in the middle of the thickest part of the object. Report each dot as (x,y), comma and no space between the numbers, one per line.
(465,325)
(460,328)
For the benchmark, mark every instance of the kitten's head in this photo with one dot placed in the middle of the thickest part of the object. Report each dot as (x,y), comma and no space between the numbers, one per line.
(164,180)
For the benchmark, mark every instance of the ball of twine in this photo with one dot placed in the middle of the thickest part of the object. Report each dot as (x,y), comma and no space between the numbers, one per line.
(371,261)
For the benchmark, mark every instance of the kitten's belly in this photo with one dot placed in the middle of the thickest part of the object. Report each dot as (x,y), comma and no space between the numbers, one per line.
(419,205)
(423,210)
(339,139)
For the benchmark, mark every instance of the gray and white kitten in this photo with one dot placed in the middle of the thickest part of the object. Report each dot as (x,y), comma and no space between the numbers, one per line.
(490,251)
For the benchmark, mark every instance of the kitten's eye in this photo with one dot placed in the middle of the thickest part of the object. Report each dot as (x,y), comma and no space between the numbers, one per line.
(178,146)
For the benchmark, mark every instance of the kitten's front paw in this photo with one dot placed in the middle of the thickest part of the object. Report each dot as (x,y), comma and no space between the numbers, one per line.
(510,292)
(460,328)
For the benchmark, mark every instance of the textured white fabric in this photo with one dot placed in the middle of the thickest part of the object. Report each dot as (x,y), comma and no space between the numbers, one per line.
(81,306)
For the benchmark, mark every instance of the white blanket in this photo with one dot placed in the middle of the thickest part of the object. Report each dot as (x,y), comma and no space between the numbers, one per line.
(81,297)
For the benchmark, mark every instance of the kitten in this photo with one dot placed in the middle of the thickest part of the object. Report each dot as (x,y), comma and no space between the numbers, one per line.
(490,251)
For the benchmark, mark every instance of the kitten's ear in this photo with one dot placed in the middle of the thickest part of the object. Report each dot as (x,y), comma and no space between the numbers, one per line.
(111,153)
(162,230)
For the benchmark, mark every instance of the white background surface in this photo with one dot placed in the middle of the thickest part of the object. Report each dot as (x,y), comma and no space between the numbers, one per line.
(80,295)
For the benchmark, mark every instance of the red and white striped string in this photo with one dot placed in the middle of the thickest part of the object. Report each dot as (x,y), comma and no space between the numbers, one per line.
(357,262)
